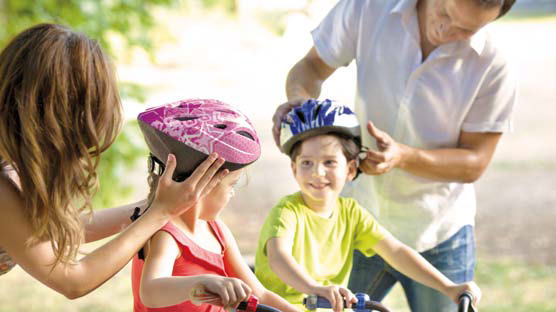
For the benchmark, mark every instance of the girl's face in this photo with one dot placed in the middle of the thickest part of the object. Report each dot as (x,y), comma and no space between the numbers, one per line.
(218,198)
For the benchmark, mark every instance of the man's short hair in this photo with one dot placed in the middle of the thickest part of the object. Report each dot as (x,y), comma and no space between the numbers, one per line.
(505,5)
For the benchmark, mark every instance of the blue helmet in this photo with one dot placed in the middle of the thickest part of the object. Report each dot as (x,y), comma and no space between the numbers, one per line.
(313,118)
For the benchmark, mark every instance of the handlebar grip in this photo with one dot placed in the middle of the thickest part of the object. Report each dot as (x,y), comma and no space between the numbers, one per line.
(466,302)
(313,302)
(243,306)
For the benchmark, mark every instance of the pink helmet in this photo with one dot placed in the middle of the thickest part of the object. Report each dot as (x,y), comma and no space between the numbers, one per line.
(192,129)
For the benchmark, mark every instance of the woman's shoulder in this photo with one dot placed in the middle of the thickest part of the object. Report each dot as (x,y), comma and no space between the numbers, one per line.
(14,224)
(12,201)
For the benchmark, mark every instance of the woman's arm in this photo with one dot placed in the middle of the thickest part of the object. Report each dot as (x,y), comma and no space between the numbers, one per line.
(237,266)
(283,264)
(107,222)
(412,264)
(85,275)
(88,273)
(160,289)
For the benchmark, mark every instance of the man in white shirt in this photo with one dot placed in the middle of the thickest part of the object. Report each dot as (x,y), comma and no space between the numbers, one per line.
(435,95)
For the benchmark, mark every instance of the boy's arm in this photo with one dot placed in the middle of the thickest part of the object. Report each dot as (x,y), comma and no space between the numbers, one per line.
(282,263)
(160,289)
(238,268)
(412,264)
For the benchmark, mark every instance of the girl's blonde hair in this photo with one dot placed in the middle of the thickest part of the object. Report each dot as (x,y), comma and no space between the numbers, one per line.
(59,109)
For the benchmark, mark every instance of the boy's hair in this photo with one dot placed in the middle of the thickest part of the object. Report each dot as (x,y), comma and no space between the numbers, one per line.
(59,109)
(350,146)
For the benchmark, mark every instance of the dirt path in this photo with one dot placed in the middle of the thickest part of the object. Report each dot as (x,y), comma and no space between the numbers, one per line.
(516,214)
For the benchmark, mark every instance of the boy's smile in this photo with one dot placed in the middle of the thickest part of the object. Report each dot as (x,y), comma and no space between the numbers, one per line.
(321,170)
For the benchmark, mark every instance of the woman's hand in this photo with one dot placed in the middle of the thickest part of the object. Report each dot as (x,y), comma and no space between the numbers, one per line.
(173,198)
(336,295)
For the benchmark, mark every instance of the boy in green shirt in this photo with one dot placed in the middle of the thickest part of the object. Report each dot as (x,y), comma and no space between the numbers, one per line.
(307,242)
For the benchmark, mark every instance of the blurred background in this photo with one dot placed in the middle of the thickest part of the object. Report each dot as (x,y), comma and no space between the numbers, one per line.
(240,51)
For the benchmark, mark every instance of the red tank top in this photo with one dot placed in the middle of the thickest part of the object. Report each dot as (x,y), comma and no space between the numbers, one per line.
(194,260)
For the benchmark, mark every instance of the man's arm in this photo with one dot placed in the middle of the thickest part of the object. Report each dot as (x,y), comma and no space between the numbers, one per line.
(306,77)
(304,81)
(465,163)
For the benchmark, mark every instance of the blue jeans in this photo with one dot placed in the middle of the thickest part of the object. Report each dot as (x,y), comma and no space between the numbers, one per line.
(454,257)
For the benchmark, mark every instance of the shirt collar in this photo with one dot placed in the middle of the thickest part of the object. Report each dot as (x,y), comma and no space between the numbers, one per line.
(477,41)
(404,6)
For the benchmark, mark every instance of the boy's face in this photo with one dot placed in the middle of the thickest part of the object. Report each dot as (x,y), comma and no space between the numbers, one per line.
(321,169)
(219,196)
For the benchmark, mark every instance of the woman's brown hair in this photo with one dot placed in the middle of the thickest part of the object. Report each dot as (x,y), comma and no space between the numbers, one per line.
(59,109)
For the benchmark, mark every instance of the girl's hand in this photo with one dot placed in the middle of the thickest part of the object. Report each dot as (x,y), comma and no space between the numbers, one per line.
(457,289)
(173,198)
(218,290)
(336,296)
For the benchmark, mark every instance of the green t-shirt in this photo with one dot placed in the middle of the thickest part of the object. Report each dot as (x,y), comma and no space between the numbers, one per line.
(322,246)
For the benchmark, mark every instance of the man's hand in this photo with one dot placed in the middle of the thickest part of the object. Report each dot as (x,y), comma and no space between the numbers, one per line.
(388,156)
(279,115)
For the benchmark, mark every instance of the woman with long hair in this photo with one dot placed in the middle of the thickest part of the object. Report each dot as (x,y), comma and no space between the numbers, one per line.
(59,110)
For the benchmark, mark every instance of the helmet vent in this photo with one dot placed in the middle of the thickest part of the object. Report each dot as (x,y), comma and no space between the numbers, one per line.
(185,118)
(221,126)
(300,115)
(246,134)
(317,110)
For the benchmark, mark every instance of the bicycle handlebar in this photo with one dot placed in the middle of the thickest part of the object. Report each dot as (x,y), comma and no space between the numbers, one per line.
(313,302)
(252,305)
(466,303)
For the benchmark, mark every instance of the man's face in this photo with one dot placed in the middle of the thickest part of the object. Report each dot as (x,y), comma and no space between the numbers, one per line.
(453,20)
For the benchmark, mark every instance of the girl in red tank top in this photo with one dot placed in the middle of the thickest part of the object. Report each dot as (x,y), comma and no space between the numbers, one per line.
(192,252)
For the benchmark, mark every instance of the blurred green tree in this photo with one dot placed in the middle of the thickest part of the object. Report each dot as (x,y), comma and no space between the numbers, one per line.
(131,20)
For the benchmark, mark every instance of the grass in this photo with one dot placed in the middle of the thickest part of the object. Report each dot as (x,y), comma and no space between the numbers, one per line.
(529,16)
(506,285)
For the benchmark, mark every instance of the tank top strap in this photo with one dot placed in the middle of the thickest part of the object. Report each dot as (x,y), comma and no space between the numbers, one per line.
(176,233)
(219,234)
(192,251)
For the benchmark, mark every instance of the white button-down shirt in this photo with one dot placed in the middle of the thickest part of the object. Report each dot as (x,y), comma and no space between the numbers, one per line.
(460,86)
